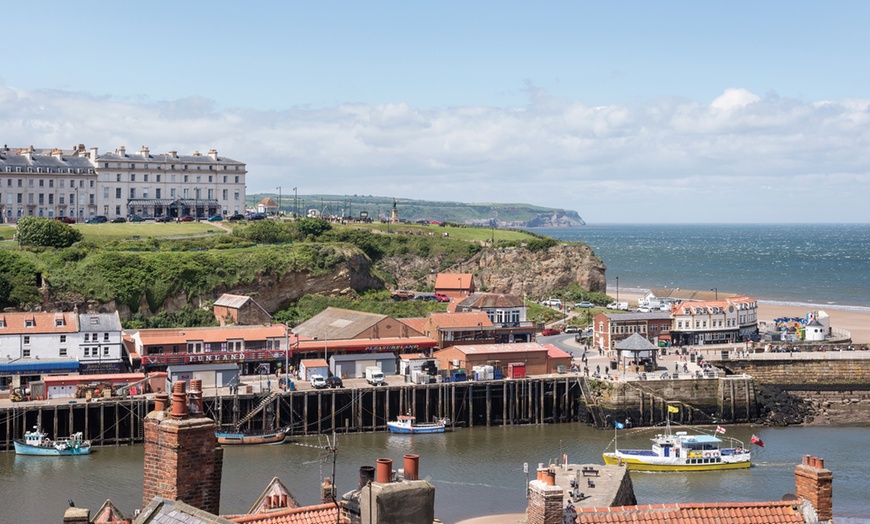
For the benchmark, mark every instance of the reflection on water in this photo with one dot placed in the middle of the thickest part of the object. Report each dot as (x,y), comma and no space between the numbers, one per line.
(475,471)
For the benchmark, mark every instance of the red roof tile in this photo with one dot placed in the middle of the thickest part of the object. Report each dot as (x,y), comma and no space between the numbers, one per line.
(319,514)
(779,512)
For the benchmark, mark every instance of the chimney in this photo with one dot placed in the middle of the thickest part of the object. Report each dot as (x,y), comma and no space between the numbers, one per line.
(814,484)
(196,396)
(173,154)
(145,152)
(93,155)
(183,460)
(122,151)
(412,467)
(545,499)
(366,475)
(213,154)
(74,515)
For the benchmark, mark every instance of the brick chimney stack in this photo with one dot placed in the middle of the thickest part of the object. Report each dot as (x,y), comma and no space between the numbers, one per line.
(814,483)
(183,460)
(545,499)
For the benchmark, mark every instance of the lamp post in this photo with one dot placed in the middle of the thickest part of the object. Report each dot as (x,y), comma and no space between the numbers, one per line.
(294,204)
(196,203)
(617,291)
(279,202)
(716,291)
(287,332)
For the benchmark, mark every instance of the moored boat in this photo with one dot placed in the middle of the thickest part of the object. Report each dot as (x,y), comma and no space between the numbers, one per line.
(409,424)
(37,442)
(235,438)
(681,451)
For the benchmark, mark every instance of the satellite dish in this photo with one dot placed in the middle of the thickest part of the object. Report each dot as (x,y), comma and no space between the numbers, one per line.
(789,496)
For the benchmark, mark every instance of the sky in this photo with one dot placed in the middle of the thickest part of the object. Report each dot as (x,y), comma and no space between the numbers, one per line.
(668,112)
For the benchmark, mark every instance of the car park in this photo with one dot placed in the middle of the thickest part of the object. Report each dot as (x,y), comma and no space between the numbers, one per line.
(547,332)
(584,304)
(99,219)
(335,381)
(318,382)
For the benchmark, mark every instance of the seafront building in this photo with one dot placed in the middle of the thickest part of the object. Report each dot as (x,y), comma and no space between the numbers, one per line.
(82,183)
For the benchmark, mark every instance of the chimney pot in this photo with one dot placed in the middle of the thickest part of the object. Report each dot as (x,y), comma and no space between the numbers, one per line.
(179,401)
(385,471)
(412,467)
(161,401)
(366,475)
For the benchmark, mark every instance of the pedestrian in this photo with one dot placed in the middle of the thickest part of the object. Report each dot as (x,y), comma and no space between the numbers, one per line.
(676,367)
(269,385)
(598,368)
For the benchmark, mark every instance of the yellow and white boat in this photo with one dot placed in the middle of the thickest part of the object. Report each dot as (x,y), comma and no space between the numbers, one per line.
(681,451)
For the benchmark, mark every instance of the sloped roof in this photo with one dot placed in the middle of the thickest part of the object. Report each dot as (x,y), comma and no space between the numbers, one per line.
(415,323)
(636,342)
(42,323)
(100,322)
(779,512)
(158,336)
(652,315)
(338,324)
(502,349)
(165,511)
(554,352)
(233,301)
(490,300)
(453,281)
(268,202)
(318,514)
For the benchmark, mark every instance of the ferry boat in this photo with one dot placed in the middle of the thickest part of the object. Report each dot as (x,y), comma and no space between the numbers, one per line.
(226,438)
(409,424)
(36,442)
(681,451)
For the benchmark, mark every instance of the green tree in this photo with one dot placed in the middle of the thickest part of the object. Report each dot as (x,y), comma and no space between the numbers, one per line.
(45,232)
(313,227)
(267,232)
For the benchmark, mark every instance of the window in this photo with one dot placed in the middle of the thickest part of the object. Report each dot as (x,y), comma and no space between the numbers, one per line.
(105,352)
(26,339)
(87,352)
(158,178)
(157,193)
(105,337)
(106,192)
(26,353)
(118,177)
(118,192)
(132,192)
(62,352)
(63,339)
(132,177)
(145,177)
(29,322)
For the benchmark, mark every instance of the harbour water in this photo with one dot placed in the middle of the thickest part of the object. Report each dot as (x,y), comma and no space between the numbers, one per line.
(819,264)
(475,471)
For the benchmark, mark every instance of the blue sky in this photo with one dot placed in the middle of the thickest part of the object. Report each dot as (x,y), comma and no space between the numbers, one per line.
(624,112)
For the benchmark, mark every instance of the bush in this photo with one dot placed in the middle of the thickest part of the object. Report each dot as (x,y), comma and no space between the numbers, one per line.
(45,232)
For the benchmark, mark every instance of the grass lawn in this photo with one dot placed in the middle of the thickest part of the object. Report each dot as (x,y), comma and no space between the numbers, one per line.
(146,229)
(474,234)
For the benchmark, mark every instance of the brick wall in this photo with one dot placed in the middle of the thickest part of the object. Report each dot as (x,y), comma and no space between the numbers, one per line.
(813,482)
(545,503)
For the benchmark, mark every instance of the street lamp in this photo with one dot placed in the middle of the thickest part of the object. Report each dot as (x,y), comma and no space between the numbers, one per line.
(196,203)
(617,291)
(294,204)
(279,202)
(716,291)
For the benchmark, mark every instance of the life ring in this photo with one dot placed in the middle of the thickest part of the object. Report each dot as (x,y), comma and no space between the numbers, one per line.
(707,454)
(46,441)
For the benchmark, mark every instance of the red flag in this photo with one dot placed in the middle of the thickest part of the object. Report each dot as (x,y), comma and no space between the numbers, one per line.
(720,429)
(757,441)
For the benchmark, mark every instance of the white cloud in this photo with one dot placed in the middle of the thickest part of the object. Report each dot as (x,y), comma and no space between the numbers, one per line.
(554,152)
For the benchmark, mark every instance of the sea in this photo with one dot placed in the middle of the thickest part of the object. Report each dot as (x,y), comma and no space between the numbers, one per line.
(790,264)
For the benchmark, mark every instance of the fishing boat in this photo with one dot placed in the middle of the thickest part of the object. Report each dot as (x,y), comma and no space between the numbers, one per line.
(681,451)
(37,442)
(409,424)
(234,438)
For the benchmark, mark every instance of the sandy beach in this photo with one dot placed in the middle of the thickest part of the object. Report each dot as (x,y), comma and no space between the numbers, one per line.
(856,322)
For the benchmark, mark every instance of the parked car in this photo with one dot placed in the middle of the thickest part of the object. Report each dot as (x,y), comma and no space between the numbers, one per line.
(119,220)
(66,220)
(402,295)
(335,382)
(136,218)
(552,302)
(164,219)
(257,216)
(584,304)
(237,216)
(547,332)
(441,297)
(188,218)
(572,329)
(216,218)
(99,219)
(318,382)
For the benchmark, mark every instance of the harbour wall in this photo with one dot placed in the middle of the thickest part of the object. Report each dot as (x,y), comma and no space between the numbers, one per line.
(535,400)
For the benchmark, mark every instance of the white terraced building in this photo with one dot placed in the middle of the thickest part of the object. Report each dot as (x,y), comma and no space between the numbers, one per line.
(81,184)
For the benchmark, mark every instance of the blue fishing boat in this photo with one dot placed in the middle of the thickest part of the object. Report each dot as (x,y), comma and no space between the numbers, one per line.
(409,424)
(36,442)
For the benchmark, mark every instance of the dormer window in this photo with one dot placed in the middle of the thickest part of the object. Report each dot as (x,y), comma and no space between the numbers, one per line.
(29,323)
(58,322)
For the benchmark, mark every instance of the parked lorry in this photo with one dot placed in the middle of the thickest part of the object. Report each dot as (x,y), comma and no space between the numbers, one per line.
(374,376)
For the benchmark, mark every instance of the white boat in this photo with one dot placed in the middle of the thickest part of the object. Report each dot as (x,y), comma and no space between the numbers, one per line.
(409,424)
(36,442)
(681,451)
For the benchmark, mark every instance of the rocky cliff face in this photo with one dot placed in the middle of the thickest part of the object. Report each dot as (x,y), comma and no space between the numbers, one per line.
(554,218)
(511,270)
(274,291)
